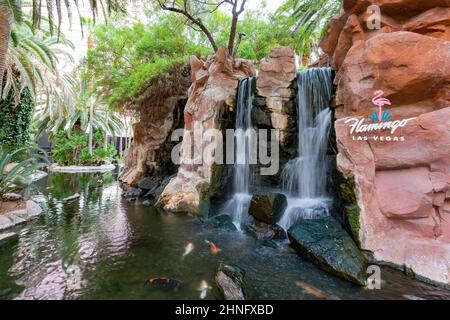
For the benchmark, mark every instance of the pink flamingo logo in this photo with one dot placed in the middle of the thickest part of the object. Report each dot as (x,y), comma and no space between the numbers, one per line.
(380,102)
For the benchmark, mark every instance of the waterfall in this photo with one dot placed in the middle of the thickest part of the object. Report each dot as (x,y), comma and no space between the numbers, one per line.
(304,178)
(245,138)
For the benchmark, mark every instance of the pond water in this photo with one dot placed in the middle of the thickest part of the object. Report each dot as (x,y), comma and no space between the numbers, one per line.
(103,247)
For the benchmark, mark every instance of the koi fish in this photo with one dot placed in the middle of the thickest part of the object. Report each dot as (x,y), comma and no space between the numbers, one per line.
(204,288)
(188,249)
(314,292)
(166,283)
(214,249)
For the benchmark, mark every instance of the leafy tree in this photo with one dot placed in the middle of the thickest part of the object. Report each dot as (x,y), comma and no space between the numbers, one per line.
(308,20)
(129,61)
(72,149)
(11,12)
(196,10)
(32,63)
(259,32)
(75,116)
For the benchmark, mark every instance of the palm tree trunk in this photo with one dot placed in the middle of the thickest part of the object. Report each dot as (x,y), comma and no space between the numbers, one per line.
(105,143)
(5,30)
(120,146)
(91,128)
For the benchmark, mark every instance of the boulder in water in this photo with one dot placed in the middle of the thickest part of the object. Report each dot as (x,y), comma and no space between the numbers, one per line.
(325,243)
(132,194)
(267,207)
(264,231)
(147,184)
(222,221)
(230,281)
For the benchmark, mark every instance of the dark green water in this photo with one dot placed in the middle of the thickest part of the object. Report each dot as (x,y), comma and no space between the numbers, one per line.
(102,247)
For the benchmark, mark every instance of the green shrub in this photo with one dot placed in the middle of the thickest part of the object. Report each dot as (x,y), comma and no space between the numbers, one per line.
(18,177)
(72,149)
(15,120)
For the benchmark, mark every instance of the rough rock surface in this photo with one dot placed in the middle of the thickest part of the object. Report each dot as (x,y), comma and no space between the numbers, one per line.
(20,216)
(401,187)
(325,242)
(275,79)
(264,231)
(213,91)
(230,281)
(222,221)
(152,146)
(267,207)
(6,237)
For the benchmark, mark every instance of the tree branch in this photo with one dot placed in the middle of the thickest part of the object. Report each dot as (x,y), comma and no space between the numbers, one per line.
(194,20)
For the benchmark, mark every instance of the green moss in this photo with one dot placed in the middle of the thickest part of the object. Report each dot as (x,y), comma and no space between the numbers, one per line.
(351,215)
(347,191)
(216,172)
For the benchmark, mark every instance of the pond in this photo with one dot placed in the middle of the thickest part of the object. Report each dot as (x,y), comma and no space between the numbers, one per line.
(102,247)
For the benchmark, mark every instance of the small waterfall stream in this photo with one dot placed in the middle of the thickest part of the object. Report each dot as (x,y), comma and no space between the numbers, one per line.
(245,137)
(304,178)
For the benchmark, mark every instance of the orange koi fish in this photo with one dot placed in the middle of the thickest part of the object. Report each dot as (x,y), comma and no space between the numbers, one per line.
(213,247)
(314,292)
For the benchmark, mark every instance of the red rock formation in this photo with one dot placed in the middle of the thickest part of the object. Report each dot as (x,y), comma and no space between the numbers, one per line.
(213,90)
(402,187)
(275,84)
(160,112)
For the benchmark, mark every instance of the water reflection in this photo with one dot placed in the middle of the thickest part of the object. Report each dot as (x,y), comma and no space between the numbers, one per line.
(101,247)
(52,258)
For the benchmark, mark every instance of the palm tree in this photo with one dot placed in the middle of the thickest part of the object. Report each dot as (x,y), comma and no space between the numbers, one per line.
(77,115)
(32,62)
(309,20)
(9,11)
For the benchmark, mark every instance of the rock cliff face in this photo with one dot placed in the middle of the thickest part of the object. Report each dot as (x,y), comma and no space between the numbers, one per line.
(152,145)
(160,113)
(274,104)
(212,94)
(401,178)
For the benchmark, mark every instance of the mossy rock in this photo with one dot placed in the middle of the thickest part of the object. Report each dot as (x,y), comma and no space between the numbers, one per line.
(326,243)
(230,280)
(222,221)
(351,216)
(267,206)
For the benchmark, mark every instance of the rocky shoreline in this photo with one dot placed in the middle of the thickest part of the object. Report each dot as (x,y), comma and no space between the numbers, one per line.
(25,212)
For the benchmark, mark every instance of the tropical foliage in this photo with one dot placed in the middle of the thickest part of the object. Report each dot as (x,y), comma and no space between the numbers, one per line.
(15,120)
(128,60)
(32,62)
(75,115)
(98,8)
(18,177)
(72,149)
(307,20)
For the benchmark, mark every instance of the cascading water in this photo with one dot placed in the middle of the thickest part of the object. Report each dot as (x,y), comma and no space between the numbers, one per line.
(244,140)
(304,178)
